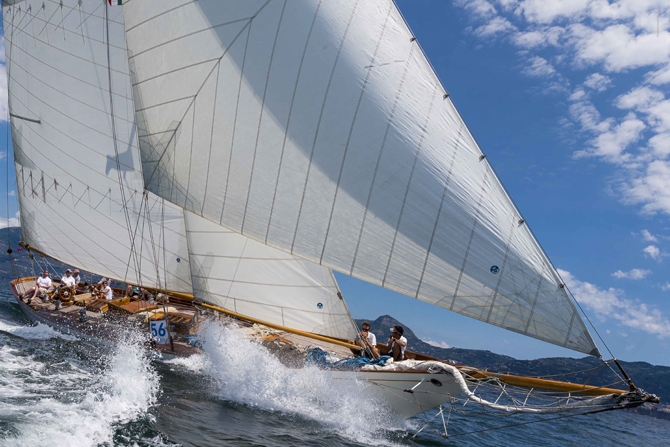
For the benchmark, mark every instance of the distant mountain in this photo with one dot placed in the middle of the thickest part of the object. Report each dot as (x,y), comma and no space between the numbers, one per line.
(652,378)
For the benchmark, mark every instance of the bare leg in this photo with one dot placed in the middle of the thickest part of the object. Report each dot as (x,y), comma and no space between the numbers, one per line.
(396,351)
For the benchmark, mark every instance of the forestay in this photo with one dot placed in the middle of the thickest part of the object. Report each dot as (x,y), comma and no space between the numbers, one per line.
(319,128)
(78,169)
(250,278)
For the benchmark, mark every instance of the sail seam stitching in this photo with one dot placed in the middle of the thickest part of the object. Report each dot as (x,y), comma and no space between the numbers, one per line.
(169,72)
(158,15)
(409,182)
(439,211)
(260,118)
(288,119)
(351,130)
(379,158)
(502,270)
(318,125)
(234,131)
(211,139)
(472,235)
(167,42)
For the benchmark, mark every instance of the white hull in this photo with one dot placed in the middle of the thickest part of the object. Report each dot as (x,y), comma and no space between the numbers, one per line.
(390,386)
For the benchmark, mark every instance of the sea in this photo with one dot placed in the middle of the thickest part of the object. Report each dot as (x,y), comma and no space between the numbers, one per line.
(57,390)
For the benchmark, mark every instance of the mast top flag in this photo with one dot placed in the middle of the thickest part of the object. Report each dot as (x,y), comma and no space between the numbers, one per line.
(320,128)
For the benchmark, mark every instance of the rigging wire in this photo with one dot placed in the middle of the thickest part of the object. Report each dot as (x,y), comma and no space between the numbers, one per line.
(117,159)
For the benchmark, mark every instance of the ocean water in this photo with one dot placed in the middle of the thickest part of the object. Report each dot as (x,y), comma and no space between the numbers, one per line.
(57,390)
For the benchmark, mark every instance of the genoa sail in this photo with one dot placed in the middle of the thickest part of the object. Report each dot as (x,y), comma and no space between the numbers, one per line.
(252,279)
(320,128)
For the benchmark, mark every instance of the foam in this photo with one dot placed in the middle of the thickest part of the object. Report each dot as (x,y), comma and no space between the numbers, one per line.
(244,371)
(37,332)
(80,407)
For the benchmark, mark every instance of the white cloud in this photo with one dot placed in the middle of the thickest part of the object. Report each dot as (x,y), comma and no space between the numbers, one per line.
(618,47)
(545,11)
(498,25)
(654,253)
(633,274)
(611,304)
(659,77)
(438,344)
(651,188)
(598,82)
(11,193)
(613,139)
(648,236)
(666,286)
(11,222)
(539,67)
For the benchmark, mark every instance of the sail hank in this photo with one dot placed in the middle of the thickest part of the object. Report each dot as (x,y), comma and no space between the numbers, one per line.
(320,129)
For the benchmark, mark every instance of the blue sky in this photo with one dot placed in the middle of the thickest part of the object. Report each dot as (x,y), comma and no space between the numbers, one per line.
(570,100)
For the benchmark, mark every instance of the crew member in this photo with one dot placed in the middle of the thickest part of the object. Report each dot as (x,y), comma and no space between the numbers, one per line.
(397,343)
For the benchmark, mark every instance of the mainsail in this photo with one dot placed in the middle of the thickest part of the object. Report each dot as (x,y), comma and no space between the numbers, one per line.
(320,128)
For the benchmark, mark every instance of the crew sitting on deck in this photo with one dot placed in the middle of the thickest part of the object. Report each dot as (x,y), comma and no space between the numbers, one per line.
(77,278)
(368,341)
(42,286)
(133,292)
(397,344)
(107,291)
(68,280)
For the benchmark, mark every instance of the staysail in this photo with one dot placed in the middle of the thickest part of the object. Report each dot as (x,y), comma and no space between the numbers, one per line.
(319,128)
(250,278)
(80,187)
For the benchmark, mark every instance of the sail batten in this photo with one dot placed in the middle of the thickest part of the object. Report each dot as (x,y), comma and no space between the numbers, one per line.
(320,129)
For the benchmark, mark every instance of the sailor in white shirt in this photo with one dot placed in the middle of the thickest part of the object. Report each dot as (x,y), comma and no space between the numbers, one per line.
(107,291)
(68,280)
(397,343)
(42,285)
(77,278)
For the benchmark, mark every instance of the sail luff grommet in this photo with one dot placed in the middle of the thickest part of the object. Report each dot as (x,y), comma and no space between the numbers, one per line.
(481,157)
(445,96)
(522,221)
(412,39)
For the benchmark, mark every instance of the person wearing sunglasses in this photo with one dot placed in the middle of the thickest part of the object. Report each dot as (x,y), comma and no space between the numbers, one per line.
(368,341)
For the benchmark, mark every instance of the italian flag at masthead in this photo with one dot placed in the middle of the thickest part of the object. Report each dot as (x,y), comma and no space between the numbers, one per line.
(114,2)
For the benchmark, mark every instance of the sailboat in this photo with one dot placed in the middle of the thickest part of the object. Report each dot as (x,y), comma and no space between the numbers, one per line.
(230,155)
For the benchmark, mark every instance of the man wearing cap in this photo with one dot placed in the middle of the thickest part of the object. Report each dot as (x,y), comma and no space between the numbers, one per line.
(397,344)
(68,280)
